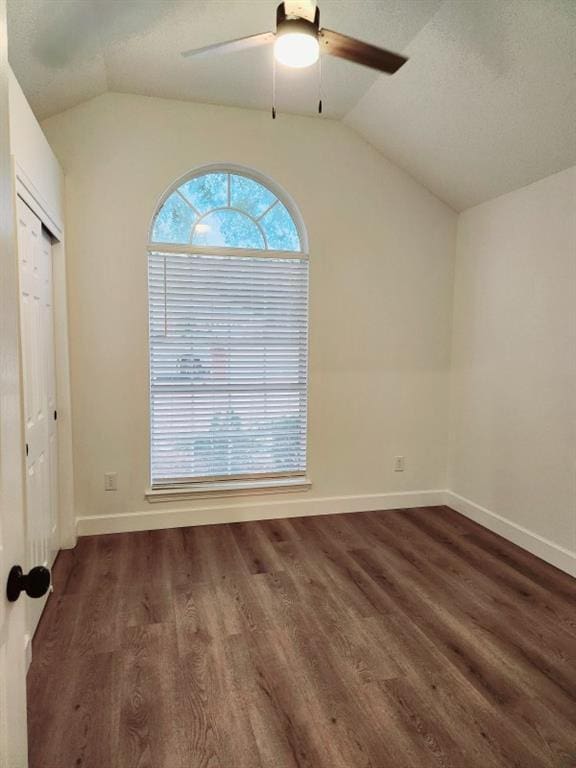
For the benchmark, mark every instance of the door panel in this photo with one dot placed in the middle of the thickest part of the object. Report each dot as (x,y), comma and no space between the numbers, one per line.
(13,735)
(40,435)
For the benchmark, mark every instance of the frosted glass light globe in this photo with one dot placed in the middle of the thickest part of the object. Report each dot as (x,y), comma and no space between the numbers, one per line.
(296,49)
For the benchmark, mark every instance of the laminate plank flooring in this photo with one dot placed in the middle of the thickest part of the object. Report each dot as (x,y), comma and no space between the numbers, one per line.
(398,639)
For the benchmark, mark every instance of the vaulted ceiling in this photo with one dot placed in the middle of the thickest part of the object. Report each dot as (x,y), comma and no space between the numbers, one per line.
(487,102)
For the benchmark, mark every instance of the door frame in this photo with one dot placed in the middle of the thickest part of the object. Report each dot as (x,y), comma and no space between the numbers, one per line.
(25,189)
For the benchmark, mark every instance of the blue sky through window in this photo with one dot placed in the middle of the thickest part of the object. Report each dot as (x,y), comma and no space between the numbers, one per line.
(226,210)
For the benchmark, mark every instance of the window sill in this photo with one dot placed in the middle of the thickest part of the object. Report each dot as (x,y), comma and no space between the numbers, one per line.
(228,488)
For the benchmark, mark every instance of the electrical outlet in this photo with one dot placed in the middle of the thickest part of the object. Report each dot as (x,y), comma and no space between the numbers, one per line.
(110,481)
(398,463)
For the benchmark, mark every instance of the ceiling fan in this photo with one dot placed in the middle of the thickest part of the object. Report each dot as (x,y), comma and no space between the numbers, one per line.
(299,40)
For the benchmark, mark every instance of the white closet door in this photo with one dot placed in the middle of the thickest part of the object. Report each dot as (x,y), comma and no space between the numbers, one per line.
(40,434)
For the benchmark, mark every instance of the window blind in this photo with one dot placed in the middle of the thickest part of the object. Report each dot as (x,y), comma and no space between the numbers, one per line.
(228,366)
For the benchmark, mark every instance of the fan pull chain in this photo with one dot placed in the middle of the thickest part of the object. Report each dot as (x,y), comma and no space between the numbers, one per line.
(320,84)
(273,87)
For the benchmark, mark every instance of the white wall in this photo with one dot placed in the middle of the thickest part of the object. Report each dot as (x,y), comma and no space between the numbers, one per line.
(381,293)
(513,401)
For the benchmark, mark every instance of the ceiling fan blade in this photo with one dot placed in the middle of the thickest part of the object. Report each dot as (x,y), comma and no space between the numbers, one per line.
(305,9)
(232,46)
(361,53)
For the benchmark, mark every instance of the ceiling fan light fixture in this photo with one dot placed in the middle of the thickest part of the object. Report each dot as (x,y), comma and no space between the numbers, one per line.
(296,49)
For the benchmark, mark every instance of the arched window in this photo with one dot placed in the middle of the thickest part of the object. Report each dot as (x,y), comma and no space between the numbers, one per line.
(228,301)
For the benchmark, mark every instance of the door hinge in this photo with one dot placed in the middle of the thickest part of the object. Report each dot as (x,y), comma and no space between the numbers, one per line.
(55,415)
(27,449)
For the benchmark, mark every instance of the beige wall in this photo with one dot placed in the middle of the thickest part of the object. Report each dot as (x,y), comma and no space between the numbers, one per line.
(381,291)
(513,402)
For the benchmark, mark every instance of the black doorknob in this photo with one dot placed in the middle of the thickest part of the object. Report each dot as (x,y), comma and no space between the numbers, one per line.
(35,583)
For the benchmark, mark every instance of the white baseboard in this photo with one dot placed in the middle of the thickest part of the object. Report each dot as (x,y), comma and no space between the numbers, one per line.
(547,550)
(261,510)
(237,512)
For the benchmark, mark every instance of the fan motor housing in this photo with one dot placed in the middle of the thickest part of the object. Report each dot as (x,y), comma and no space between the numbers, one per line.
(286,24)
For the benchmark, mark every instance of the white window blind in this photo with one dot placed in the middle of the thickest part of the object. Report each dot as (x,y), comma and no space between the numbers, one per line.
(228,365)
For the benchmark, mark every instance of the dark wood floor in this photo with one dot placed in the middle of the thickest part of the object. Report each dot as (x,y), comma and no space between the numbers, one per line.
(400,639)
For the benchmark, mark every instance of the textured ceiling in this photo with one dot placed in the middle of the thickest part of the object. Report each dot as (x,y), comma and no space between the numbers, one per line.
(487,102)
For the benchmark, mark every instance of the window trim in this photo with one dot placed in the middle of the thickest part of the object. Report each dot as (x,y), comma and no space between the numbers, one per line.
(246,485)
(227,488)
(218,250)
